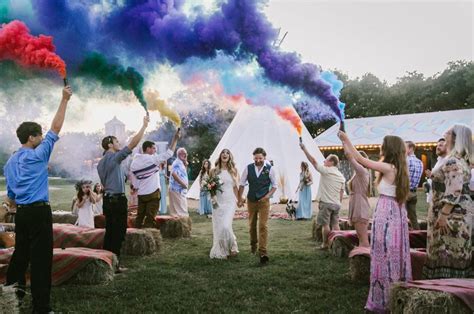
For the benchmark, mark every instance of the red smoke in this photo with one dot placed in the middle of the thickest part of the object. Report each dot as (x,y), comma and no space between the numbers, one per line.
(17,44)
(289,114)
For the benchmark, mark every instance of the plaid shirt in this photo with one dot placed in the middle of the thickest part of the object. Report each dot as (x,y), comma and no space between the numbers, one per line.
(415,169)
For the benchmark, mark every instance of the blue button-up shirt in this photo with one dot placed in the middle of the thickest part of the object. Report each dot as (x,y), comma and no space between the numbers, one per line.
(179,168)
(415,169)
(26,172)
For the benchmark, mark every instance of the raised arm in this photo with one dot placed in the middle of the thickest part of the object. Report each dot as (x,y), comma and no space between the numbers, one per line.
(351,150)
(175,139)
(58,119)
(138,137)
(311,159)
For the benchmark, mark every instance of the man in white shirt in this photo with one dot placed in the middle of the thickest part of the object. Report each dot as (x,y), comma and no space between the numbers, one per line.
(146,172)
(330,192)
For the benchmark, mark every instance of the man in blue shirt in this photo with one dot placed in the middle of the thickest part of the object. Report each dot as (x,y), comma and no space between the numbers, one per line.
(112,178)
(26,174)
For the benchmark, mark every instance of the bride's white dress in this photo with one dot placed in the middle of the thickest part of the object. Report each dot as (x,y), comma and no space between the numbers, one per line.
(224,240)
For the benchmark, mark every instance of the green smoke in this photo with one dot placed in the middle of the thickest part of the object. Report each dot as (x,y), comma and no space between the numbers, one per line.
(96,65)
(4,12)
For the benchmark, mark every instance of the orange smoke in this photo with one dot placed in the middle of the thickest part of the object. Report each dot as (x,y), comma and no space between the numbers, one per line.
(289,114)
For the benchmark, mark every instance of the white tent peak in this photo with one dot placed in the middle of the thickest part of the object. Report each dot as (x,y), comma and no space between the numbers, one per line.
(258,126)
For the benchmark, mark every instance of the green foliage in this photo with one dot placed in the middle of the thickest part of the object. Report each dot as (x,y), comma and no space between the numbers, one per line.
(368,96)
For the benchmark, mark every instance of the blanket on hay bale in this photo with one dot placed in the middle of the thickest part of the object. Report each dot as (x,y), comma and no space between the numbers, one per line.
(433,296)
(75,265)
(343,241)
(359,264)
(64,217)
(138,242)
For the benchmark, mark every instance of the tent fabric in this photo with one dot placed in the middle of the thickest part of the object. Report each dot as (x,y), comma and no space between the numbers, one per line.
(255,126)
(418,127)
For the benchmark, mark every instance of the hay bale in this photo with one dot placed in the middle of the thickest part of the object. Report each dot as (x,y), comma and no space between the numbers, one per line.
(94,273)
(340,248)
(317,232)
(156,234)
(179,227)
(8,300)
(359,268)
(7,227)
(64,217)
(419,301)
(7,239)
(138,242)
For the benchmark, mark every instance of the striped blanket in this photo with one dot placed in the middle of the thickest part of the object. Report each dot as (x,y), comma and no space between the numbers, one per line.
(66,235)
(66,263)
(418,238)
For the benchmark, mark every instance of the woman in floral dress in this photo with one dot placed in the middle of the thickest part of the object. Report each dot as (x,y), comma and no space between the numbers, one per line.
(449,247)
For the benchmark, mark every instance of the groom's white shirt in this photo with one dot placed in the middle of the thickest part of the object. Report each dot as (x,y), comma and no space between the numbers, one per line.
(243,178)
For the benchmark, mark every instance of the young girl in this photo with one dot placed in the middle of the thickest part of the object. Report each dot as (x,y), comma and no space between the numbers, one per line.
(99,192)
(390,250)
(84,203)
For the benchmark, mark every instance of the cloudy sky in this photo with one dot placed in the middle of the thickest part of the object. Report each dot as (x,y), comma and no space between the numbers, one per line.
(386,38)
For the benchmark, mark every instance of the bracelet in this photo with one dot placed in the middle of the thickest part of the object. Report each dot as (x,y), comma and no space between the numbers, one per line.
(444,214)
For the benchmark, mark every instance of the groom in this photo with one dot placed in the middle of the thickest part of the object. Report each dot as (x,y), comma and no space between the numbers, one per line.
(262,184)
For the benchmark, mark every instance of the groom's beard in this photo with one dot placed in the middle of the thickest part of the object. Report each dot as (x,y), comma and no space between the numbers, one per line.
(259,164)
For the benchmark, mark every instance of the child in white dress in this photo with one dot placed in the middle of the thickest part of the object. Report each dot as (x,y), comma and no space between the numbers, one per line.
(84,204)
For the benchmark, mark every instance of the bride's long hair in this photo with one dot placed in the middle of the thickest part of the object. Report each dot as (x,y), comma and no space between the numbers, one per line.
(230,166)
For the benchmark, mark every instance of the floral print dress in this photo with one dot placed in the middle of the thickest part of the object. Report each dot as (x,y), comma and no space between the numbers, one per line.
(449,256)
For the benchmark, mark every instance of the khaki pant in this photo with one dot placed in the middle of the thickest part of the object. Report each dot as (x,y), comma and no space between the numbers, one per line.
(411,210)
(148,206)
(259,212)
(178,204)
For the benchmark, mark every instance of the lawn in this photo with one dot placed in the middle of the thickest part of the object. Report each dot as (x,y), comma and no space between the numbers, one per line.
(181,277)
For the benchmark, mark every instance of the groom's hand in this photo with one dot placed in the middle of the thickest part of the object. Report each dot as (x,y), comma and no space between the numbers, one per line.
(263,199)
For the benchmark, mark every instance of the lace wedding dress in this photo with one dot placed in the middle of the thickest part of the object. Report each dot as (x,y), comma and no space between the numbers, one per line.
(224,240)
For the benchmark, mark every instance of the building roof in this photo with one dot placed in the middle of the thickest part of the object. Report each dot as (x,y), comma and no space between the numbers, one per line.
(115,121)
(418,127)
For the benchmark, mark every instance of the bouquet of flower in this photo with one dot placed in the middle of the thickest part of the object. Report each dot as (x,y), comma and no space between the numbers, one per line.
(212,184)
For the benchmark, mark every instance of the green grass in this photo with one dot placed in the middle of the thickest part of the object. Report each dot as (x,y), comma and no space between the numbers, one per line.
(182,278)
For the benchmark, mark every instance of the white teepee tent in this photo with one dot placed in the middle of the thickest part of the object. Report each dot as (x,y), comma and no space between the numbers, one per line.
(258,126)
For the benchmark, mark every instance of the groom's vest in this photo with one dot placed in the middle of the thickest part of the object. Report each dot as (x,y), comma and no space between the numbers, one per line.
(258,186)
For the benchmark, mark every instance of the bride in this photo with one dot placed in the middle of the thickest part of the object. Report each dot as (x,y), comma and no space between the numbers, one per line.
(224,240)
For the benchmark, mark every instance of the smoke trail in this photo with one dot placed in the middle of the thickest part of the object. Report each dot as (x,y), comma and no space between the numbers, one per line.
(336,86)
(4,13)
(155,103)
(291,116)
(109,74)
(18,45)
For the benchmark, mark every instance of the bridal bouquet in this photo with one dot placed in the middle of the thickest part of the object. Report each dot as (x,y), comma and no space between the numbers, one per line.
(212,184)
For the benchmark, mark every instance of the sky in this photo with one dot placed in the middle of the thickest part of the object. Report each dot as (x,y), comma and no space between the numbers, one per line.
(386,38)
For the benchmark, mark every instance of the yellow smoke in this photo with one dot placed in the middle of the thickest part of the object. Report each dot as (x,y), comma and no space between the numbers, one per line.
(156,104)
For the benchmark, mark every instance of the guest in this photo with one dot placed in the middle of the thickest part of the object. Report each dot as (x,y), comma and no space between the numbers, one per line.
(304,210)
(26,177)
(449,249)
(390,251)
(205,204)
(99,192)
(112,178)
(164,188)
(179,184)
(84,204)
(145,171)
(441,152)
(415,169)
(330,192)
(359,191)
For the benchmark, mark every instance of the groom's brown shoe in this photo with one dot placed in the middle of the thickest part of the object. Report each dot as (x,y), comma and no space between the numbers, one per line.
(264,260)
